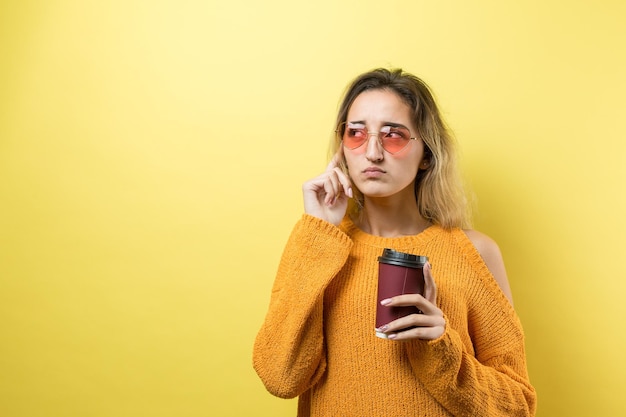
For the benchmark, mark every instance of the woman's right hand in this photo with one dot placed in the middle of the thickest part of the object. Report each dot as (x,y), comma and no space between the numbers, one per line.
(326,196)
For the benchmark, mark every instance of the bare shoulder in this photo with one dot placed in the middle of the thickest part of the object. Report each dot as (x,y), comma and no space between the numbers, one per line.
(486,246)
(490,252)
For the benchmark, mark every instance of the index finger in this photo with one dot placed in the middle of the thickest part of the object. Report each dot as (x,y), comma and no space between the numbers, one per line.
(334,162)
(415,300)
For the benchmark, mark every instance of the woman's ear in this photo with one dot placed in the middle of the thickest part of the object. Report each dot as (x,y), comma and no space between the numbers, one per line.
(426,159)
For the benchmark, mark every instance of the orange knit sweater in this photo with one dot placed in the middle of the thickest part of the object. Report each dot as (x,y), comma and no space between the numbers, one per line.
(318,341)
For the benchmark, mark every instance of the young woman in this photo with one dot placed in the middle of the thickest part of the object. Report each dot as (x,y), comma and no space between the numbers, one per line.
(392,183)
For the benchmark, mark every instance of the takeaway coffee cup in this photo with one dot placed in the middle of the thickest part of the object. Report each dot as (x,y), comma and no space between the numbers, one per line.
(398,273)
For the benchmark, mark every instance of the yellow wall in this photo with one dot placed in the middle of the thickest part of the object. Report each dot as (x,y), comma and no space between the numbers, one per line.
(151,156)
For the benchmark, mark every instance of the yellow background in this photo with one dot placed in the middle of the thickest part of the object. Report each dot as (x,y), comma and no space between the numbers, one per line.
(151,157)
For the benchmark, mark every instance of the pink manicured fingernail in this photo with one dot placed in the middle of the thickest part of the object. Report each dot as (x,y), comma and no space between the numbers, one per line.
(392,336)
(382,328)
(386,301)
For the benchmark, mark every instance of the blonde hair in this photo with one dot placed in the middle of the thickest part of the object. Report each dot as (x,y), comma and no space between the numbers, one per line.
(439,190)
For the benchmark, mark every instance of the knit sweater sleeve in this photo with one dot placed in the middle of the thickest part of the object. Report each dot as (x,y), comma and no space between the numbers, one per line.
(289,354)
(491,380)
(467,387)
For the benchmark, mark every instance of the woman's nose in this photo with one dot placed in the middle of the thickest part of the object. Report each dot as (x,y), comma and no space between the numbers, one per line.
(374,150)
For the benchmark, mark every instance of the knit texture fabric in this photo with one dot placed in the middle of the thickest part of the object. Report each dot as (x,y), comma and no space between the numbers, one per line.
(318,341)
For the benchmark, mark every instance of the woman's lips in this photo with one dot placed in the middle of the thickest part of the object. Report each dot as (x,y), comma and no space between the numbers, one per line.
(373,172)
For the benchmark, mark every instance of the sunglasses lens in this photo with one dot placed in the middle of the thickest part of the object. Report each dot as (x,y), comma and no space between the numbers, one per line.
(395,139)
(354,137)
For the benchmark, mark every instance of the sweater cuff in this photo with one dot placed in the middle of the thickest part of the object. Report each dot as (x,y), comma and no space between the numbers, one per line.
(309,222)
(446,350)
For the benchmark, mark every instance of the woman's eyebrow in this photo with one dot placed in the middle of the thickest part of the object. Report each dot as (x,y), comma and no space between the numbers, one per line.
(390,124)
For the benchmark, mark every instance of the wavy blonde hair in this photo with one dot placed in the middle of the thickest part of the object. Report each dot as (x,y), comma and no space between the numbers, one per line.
(439,190)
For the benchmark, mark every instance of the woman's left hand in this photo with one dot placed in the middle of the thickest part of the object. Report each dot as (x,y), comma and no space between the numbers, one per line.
(427,326)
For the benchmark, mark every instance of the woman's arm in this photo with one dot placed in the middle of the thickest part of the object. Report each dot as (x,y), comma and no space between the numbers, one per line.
(289,354)
(490,380)
(493,386)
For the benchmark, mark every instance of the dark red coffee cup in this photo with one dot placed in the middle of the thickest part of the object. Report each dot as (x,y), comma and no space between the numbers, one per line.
(398,273)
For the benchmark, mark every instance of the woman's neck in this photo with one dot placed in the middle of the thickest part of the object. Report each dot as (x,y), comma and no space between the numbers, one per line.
(381,217)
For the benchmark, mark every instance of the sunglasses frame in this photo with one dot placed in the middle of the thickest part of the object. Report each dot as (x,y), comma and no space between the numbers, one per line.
(341,130)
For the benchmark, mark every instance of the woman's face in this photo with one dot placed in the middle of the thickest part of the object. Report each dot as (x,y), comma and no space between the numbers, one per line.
(374,171)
